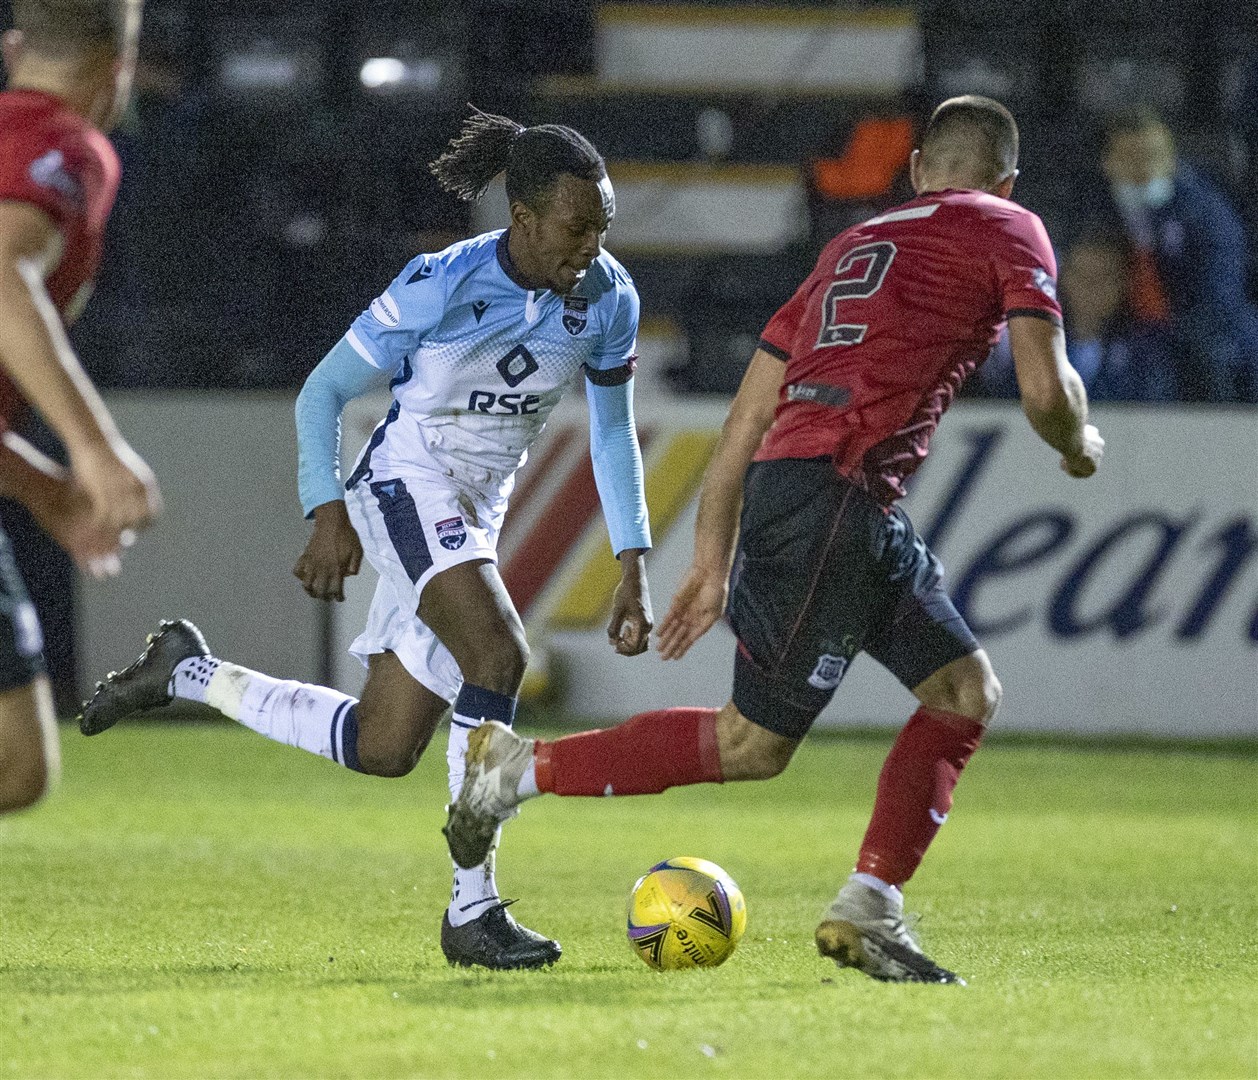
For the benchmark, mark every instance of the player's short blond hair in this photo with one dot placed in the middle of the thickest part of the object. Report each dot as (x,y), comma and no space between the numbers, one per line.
(68,28)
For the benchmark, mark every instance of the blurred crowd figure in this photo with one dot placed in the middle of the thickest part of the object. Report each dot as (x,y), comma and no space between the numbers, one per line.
(1190,259)
(1154,285)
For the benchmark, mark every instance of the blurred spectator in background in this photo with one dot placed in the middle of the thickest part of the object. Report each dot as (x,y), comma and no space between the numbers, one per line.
(1119,356)
(1190,258)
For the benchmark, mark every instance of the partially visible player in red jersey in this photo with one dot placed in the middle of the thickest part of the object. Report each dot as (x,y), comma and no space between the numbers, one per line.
(837,409)
(70,64)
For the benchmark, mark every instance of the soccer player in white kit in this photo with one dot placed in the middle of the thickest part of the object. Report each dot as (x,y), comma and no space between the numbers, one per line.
(477,344)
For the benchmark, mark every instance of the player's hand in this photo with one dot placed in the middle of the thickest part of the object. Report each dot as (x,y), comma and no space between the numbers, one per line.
(120,487)
(70,519)
(629,630)
(1084,462)
(332,554)
(699,602)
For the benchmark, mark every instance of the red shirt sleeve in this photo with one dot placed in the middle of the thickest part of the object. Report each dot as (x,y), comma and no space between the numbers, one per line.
(57,178)
(1026,268)
(779,334)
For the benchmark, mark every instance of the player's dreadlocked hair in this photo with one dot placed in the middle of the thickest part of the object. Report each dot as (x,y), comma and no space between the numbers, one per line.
(64,29)
(971,136)
(533,157)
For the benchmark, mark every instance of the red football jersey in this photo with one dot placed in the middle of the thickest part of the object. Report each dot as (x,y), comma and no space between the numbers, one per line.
(55,159)
(898,312)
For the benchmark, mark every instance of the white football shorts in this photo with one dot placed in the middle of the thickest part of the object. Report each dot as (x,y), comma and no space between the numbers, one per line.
(413,525)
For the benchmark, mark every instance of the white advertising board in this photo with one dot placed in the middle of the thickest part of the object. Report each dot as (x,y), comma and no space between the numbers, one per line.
(1124,603)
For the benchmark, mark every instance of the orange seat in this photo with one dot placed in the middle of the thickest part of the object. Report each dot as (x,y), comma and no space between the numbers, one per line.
(877,150)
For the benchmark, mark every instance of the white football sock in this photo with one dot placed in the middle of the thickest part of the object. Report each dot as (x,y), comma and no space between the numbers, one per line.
(295,713)
(527,787)
(192,677)
(878,885)
(474,890)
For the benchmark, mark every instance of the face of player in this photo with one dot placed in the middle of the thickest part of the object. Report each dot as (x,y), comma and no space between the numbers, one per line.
(555,244)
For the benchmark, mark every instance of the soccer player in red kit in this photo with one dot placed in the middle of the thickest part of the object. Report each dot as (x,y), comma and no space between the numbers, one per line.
(835,412)
(70,64)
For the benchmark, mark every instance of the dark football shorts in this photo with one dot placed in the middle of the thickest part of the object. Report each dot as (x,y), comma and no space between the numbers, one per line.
(21,639)
(824,571)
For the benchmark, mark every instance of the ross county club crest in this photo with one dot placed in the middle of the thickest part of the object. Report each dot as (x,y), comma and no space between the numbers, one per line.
(575,314)
(451,533)
(829,672)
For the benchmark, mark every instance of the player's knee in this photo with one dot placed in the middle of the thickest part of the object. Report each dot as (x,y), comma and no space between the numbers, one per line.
(748,751)
(979,697)
(762,764)
(23,784)
(387,760)
(499,663)
(382,746)
(967,687)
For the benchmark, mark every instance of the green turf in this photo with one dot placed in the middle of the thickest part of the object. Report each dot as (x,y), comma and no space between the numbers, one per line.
(194,901)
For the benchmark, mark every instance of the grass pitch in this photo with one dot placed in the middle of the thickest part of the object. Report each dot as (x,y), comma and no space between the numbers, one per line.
(197,902)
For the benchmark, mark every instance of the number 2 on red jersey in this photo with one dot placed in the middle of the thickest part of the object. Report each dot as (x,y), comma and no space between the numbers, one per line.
(858,275)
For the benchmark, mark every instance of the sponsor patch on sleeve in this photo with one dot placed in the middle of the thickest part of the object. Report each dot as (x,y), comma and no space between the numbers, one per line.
(49,171)
(384,310)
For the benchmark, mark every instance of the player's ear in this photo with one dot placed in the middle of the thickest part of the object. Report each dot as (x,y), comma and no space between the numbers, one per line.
(523,216)
(1004,187)
(915,171)
(11,48)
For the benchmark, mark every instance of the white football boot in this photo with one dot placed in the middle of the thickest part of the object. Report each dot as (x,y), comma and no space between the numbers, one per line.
(864,929)
(496,759)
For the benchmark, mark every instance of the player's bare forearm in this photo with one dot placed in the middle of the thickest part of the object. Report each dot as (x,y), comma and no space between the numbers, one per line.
(28,476)
(34,349)
(721,496)
(700,599)
(59,507)
(1053,396)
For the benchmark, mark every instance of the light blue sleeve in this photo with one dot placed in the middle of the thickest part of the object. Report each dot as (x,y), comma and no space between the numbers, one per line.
(340,377)
(619,341)
(396,321)
(618,464)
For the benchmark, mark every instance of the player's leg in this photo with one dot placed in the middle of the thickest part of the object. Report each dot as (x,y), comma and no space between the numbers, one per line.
(927,645)
(29,752)
(782,607)
(467,607)
(383,734)
(29,748)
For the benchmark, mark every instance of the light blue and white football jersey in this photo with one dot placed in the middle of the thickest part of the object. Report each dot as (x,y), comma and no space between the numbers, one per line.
(478,361)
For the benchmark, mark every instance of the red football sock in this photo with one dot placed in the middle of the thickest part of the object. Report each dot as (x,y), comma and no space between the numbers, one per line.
(915,791)
(648,753)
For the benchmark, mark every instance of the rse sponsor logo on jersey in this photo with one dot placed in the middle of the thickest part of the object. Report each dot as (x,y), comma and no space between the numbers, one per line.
(451,532)
(49,171)
(484,401)
(384,310)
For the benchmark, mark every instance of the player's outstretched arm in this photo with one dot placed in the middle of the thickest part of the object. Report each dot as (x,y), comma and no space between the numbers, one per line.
(1053,396)
(37,356)
(700,600)
(334,551)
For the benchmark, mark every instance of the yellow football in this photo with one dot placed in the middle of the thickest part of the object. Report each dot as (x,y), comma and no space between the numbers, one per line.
(685,913)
